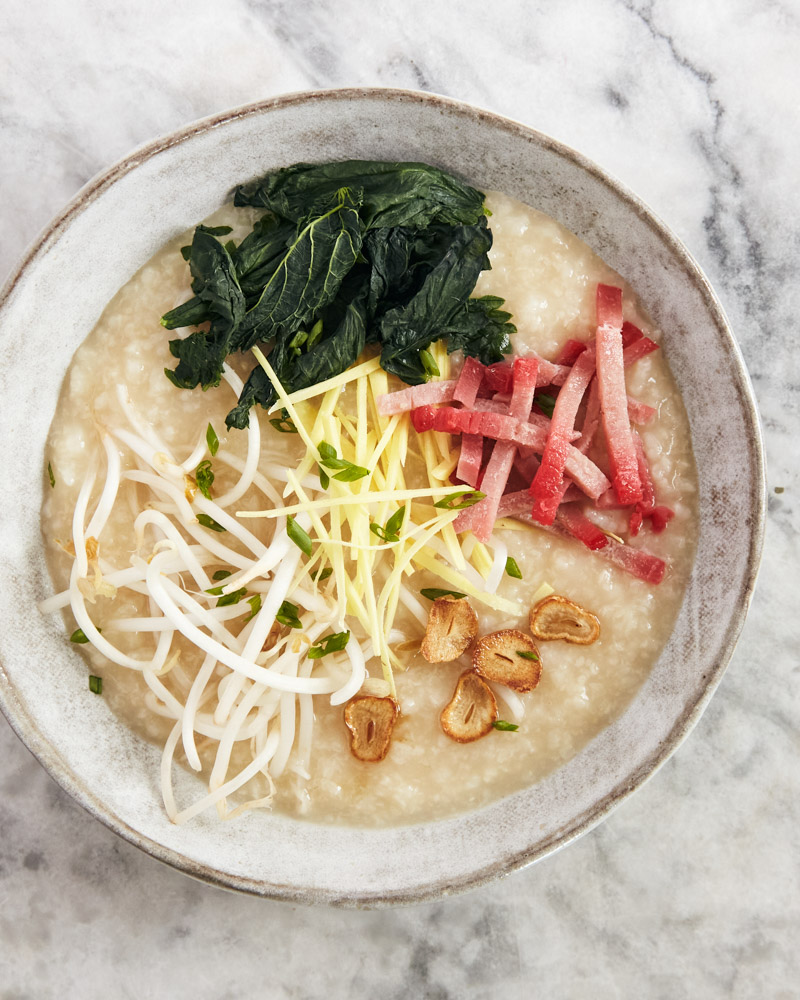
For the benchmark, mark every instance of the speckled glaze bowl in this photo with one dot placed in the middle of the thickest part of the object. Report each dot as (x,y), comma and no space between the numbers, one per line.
(47,309)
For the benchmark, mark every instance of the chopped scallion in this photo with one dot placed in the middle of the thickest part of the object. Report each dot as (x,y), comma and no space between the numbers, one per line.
(212,440)
(429,363)
(255,606)
(209,522)
(95,684)
(433,592)
(288,615)
(330,644)
(298,535)
(320,575)
(512,569)
(204,477)
(458,501)
(52,478)
(505,727)
(527,654)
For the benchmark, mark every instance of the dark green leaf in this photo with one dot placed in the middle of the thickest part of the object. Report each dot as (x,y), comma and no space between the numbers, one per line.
(391,194)
(288,614)
(212,440)
(545,402)
(527,654)
(191,313)
(505,727)
(204,476)
(480,329)
(209,522)
(309,275)
(95,684)
(330,644)
(512,569)
(460,500)
(216,230)
(50,475)
(298,535)
(408,329)
(202,354)
(433,592)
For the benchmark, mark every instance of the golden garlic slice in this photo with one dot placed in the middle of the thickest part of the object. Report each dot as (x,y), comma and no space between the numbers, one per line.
(451,629)
(557,618)
(471,711)
(508,657)
(370,721)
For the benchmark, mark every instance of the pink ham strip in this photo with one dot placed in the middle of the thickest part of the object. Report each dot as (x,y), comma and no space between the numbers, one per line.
(547,487)
(524,434)
(469,381)
(613,399)
(591,419)
(580,527)
(639,413)
(470,459)
(481,516)
(637,562)
(637,350)
(404,400)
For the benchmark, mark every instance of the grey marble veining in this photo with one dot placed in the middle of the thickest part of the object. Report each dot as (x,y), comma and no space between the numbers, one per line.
(692,888)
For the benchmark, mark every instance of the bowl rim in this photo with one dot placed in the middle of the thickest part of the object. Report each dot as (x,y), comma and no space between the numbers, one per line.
(27,729)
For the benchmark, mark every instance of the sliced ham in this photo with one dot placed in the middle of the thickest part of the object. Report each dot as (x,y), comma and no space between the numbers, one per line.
(637,350)
(470,459)
(547,486)
(480,517)
(570,352)
(469,382)
(579,526)
(640,413)
(416,395)
(613,399)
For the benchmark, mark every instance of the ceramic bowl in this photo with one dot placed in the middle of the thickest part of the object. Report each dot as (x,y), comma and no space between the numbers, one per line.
(111,228)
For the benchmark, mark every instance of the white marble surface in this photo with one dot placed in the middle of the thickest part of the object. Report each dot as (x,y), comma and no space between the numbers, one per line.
(690,889)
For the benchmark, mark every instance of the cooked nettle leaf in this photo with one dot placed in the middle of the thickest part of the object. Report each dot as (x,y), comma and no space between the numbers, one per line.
(202,354)
(289,615)
(390,532)
(431,593)
(309,275)
(298,535)
(258,255)
(330,644)
(481,329)
(191,313)
(407,330)
(212,440)
(545,402)
(460,500)
(209,522)
(204,477)
(393,194)
(512,569)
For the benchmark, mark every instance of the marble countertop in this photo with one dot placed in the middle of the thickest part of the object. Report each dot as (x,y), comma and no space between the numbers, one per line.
(692,887)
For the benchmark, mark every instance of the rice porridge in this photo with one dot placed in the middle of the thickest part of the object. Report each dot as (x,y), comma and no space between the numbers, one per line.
(548,279)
